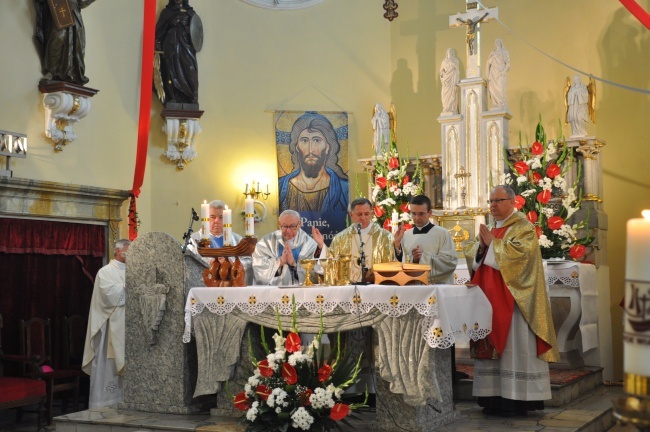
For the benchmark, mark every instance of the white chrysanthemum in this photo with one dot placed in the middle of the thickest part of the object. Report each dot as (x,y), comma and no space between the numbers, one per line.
(251,414)
(321,398)
(536,162)
(548,212)
(393,174)
(276,397)
(388,202)
(528,192)
(559,182)
(546,184)
(396,190)
(410,189)
(298,357)
(302,419)
(271,359)
(254,381)
(337,392)
(522,179)
(545,242)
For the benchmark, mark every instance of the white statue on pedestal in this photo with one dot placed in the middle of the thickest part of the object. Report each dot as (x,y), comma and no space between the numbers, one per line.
(580,103)
(381,126)
(497,66)
(449,78)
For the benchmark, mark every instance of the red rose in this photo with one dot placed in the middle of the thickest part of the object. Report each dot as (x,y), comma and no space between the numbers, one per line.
(539,231)
(520,202)
(393,163)
(289,373)
(544,196)
(339,411)
(555,222)
(381,182)
(241,402)
(324,372)
(292,343)
(577,251)
(405,180)
(263,391)
(379,211)
(387,224)
(536,177)
(303,397)
(521,167)
(532,216)
(553,170)
(404,207)
(265,370)
(537,148)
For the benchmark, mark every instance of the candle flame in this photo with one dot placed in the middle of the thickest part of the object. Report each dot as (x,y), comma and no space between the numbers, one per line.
(646,214)
(226,207)
(205,202)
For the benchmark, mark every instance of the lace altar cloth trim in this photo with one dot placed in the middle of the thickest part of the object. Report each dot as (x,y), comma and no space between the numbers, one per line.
(451,313)
(564,272)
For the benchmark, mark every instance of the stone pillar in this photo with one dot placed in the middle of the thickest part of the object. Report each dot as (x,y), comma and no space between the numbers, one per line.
(160,368)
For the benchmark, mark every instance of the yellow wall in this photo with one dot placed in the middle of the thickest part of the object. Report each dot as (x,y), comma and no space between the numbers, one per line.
(338,55)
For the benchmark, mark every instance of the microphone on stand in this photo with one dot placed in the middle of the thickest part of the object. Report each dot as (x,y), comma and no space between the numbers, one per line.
(362,257)
(188,235)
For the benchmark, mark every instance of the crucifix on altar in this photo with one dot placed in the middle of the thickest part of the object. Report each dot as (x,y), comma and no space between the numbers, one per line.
(472,19)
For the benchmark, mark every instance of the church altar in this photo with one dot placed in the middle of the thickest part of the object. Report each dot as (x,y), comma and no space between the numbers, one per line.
(409,323)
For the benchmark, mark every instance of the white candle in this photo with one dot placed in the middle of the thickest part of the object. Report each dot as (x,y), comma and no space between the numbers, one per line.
(636,339)
(227,227)
(249,213)
(205,220)
(394,221)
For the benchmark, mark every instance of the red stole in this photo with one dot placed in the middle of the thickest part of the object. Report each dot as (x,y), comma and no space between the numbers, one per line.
(502,301)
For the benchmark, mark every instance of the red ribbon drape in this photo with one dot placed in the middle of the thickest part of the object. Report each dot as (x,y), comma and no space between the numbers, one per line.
(637,11)
(146,80)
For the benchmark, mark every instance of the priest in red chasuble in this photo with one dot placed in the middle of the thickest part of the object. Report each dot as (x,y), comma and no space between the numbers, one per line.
(511,374)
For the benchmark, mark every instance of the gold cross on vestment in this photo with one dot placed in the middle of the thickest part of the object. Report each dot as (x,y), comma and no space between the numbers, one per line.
(394,300)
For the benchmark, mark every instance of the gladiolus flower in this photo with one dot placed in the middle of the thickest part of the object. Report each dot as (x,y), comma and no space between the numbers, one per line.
(405,180)
(539,231)
(544,196)
(381,182)
(265,370)
(521,167)
(324,372)
(339,411)
(577,251)
(379,211)
(536,177)
(532,216)
(387,224)
(404,207)
(289,373)
(393,163)
(292,344)
(241,402)
(519,202)
(553,170)
(263,391)
(537,148)
(555,222)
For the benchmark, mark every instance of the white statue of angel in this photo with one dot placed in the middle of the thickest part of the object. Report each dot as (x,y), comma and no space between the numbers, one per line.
(381,126)
(580,104)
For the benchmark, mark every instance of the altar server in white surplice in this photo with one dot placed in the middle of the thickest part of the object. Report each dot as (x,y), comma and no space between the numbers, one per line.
(427,243)
(104,350)
(276,259)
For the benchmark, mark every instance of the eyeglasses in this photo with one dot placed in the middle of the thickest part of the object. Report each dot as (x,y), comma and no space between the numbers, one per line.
(289,227)
(498,200)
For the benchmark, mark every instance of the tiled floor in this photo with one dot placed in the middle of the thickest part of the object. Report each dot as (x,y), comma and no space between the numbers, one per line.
(590,413)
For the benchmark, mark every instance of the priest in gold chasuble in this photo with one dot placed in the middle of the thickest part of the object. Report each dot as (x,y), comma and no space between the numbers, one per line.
(511,374)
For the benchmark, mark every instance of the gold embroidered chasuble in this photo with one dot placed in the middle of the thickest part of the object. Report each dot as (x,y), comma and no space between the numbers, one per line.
(519,258)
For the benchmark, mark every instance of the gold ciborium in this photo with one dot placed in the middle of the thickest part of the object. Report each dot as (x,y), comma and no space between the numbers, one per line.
(343,269)
(307,264)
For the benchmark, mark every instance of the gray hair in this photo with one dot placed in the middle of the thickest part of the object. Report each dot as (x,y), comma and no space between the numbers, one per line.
(507,189)
(218,204)
(289,212)
(120,244)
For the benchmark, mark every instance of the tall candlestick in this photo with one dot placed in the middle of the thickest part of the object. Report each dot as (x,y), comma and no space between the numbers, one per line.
(636,319)
(227,227)
(205,220)
(394,221)
(249,213)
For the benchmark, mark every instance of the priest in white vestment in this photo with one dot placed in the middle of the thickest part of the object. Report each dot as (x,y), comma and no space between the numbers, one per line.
(104,349)
(427,243)
(277,256)
(511,372)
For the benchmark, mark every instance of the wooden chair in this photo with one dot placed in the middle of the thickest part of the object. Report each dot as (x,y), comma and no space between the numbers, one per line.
(36,340)
(18,392)
(74,340)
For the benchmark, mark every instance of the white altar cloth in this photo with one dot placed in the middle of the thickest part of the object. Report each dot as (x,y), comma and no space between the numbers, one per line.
(452,313)
(572,274)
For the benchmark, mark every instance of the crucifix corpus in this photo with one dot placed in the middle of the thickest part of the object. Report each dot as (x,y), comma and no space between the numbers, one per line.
(472,19)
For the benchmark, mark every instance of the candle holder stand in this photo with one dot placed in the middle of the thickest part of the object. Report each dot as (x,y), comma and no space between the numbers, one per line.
(635,407)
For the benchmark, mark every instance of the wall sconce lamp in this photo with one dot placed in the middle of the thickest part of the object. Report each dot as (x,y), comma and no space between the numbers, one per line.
(255,192)
(12,144)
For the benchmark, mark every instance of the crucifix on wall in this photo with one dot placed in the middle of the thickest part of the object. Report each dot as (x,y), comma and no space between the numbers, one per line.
(472,19)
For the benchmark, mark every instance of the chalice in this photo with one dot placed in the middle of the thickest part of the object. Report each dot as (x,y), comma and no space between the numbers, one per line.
(307,264)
